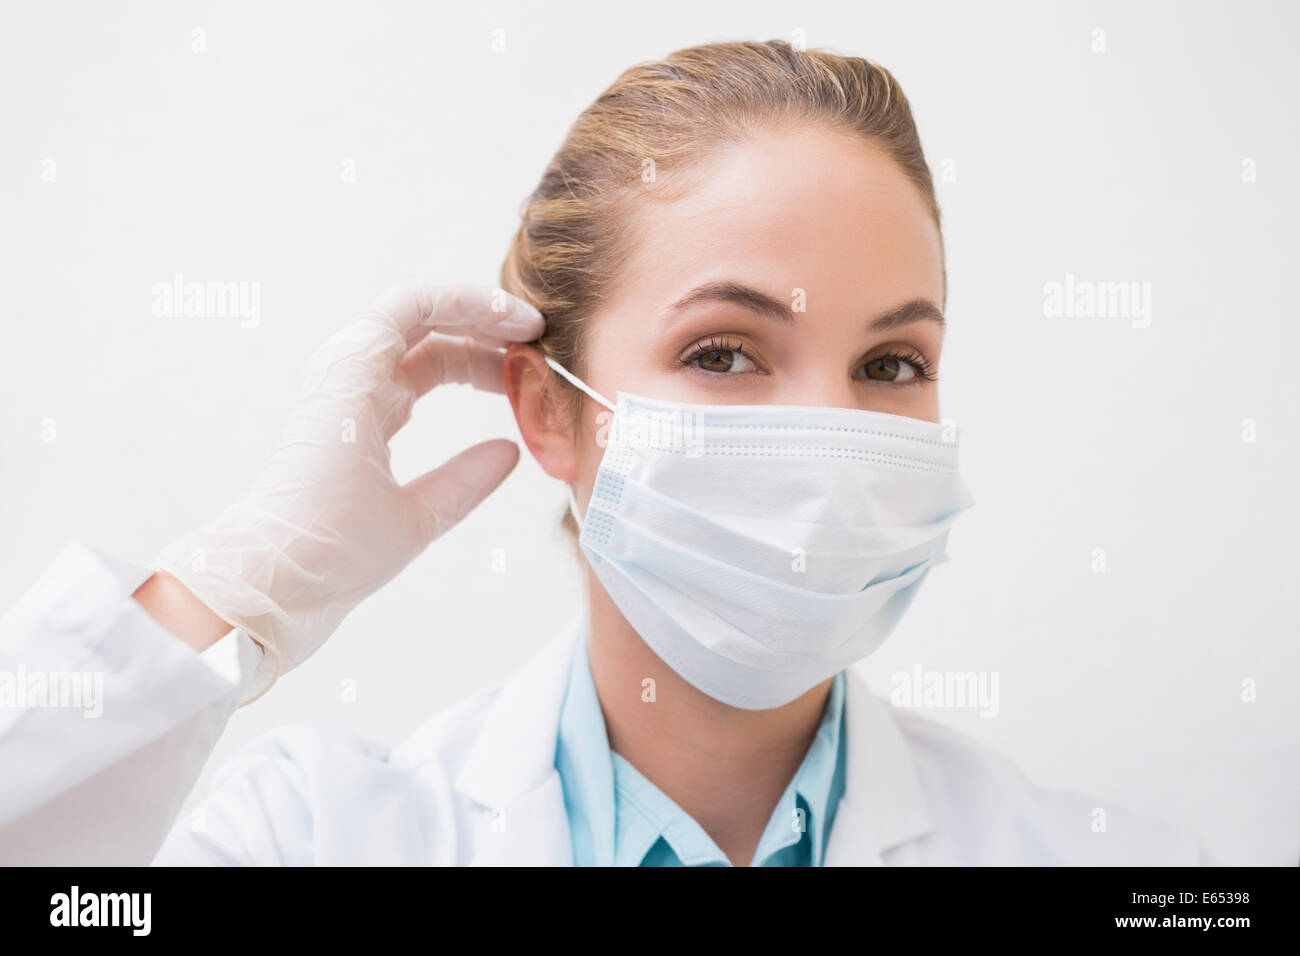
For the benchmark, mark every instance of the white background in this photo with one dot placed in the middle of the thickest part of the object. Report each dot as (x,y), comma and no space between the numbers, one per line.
(1077,433)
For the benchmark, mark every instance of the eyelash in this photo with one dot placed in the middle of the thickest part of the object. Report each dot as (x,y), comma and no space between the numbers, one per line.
(714,344)
(923,367)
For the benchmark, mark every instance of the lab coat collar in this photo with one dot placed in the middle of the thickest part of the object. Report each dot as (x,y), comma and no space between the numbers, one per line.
(884,804)
(511,772)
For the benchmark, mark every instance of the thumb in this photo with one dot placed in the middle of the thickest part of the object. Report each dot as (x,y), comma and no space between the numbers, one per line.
(455,488)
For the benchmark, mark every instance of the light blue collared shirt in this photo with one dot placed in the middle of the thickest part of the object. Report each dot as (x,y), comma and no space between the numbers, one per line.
(619,818)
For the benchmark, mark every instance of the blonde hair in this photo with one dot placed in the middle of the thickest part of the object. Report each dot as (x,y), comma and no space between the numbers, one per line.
(669,115)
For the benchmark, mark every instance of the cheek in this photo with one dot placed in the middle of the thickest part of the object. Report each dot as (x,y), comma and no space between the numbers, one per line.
(921,403)
(591,440)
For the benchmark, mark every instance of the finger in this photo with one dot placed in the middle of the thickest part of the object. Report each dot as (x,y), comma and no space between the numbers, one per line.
(483,338)
(452,490)
(485,314)
(420,306)
(361,355)
(442,360)
(401,317)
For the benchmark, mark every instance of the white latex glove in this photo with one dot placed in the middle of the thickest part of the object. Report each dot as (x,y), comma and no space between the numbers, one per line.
(325,523)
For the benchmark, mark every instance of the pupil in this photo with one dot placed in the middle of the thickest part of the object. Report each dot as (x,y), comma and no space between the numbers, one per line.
(886,367)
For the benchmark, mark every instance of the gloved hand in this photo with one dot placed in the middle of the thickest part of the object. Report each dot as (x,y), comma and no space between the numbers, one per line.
(325,523)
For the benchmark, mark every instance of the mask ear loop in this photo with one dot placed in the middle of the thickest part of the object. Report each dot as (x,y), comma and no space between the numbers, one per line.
(573,506)
(580,384)
(583,386)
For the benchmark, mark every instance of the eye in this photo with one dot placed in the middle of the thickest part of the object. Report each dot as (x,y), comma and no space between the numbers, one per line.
(896,368)
(719,356)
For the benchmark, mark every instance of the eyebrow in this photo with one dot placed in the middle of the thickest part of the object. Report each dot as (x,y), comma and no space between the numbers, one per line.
(757,301)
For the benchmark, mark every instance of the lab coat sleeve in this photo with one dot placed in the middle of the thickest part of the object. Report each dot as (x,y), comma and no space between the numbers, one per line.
(97,776)
(258,813)
(306,796)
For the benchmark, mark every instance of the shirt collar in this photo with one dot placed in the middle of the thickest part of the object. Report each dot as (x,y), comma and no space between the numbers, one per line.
(810,801)
(510,767)
(616,815)
(584,760)
(821,777)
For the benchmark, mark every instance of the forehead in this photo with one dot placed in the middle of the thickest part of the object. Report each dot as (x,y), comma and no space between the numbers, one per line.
(805,208)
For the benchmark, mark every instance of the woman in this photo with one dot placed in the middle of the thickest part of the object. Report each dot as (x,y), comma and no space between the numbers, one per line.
(738,255)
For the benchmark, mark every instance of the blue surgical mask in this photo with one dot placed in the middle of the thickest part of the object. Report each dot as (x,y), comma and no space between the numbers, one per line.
(760,549)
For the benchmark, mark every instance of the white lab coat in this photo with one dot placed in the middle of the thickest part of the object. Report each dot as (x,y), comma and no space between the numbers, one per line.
(476,784)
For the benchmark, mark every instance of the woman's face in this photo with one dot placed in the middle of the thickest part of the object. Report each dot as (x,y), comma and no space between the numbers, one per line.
(802,268)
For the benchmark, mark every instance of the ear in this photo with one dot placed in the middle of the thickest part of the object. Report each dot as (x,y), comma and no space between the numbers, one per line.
(546,427)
